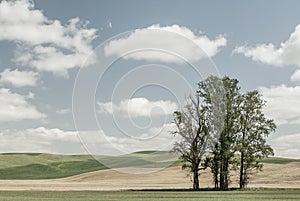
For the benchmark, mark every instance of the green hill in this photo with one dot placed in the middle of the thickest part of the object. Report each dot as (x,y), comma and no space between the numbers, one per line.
(45,166)
(50,166)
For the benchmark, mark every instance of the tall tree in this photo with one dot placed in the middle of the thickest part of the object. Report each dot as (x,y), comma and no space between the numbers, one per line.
(254,128)
(230,129)
(212,93)
(225,89)
(192,127)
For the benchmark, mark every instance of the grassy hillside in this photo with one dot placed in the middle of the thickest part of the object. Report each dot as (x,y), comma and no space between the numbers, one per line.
(48,166)
(45,166)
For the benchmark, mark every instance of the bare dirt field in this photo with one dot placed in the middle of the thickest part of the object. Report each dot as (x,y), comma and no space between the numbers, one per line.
(273,175)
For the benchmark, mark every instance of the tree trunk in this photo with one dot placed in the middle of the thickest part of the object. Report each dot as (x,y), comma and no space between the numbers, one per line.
(242,171)
(216,182)
(196,179)
(222,163)
(216,166)
(242,176)
(222,175)
(226,171)
(216,179)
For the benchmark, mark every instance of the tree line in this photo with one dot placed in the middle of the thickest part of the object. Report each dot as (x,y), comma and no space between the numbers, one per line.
(222,128)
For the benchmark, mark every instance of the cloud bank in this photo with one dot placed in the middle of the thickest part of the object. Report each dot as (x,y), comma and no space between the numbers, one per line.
(287,146)
(54,140)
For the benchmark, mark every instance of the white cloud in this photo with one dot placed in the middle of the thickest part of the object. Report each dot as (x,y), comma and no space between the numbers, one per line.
(287,146)
(63,111)
(46,45)
(296,76)
(166,38)
(282,103)
(47,140)
(138,107)
(19,78)
(286,54)
(40,140)
(15,107)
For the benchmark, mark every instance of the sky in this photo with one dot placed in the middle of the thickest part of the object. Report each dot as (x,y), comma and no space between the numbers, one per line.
(104,77)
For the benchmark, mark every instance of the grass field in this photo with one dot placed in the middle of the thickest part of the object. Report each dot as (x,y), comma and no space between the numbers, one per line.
(260,195)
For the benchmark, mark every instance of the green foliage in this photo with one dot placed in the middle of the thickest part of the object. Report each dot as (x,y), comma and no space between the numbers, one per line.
(254,129)
(222,98)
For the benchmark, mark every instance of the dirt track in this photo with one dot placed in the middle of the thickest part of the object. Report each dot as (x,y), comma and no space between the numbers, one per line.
(274,175)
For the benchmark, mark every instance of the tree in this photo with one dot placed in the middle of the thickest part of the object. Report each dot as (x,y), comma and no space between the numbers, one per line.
(192,127)
(227,122)
(254,128)
(214,92)
(230,129)
(211,92)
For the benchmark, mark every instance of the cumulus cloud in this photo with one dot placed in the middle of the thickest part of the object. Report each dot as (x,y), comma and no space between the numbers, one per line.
(282,103)
(286,54)
(15,107)
(287,145)
(165,38)
(138,107)
(19,78)
(45,44)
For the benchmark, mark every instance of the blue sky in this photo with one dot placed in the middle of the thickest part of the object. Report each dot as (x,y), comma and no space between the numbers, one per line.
(44,44)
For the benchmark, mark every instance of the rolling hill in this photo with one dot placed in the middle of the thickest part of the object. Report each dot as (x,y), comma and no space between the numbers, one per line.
(23,166)
(49,166)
